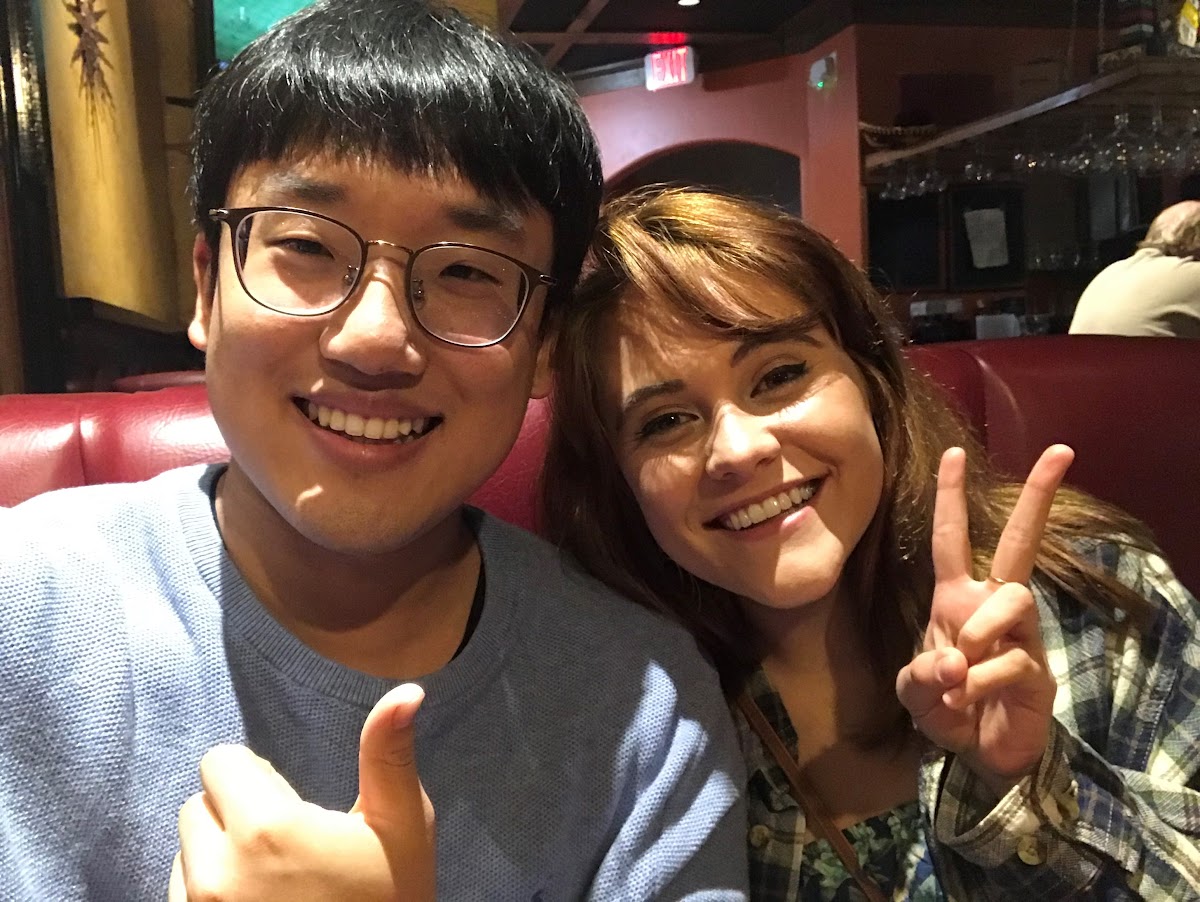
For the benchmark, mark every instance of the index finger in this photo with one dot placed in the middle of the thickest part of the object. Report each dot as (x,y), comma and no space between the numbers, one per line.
(1022,536)
(951,539)
(241,787)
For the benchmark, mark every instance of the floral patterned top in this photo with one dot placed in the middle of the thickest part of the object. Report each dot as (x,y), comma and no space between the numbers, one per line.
(891,847)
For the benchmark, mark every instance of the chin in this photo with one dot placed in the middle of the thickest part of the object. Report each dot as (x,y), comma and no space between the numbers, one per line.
(366,537)
(795,591)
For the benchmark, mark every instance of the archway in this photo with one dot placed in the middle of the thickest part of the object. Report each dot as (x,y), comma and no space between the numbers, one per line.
(751,170)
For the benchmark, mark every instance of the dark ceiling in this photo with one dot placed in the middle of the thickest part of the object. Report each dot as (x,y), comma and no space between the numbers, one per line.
(591,38)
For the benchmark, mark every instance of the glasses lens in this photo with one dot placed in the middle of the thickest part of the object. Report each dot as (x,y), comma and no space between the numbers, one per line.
(296,262)
(466,295)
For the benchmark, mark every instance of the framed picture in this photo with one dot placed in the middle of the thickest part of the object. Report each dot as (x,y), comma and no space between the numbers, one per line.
(987,236)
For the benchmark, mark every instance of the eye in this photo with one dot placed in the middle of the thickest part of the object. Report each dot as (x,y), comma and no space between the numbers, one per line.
(660,424)
(467,273)
(305,247)
(781,375)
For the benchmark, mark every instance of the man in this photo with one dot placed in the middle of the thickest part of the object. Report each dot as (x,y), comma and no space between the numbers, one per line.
(388,197)
(1154,292)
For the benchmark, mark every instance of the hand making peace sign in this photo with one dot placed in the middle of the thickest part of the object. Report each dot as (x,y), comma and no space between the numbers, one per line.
(981,688)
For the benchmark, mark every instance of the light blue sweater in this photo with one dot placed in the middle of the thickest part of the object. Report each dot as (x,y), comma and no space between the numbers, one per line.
(578,747)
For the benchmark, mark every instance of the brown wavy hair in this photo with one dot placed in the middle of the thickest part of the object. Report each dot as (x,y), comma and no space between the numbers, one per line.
(695,252)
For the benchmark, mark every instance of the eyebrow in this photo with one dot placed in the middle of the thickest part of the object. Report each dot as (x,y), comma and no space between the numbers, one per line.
(291,186)
(484,217)
(800,331)
(645,393)
(487,218)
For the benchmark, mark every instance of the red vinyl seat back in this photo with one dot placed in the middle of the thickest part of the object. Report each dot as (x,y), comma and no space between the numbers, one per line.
(1130,407)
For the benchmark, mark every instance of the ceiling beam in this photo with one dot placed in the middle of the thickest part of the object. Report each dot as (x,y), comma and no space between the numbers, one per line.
(506,12)
(637,37)
(586,16)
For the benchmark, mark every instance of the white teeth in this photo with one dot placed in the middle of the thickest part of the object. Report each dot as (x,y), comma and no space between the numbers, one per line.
(356,425)
(759,511)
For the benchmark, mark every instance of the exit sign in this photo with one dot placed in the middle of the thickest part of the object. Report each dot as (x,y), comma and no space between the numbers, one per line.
(668,68)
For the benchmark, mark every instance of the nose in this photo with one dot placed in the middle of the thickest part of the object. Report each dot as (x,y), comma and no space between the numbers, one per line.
(373,331)
(740,442)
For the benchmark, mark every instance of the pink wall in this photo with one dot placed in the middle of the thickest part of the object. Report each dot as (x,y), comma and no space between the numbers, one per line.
(767,103)
(760,103)
(831,170)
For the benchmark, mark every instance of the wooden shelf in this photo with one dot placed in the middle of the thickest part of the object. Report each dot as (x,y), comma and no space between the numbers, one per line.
(1059,121)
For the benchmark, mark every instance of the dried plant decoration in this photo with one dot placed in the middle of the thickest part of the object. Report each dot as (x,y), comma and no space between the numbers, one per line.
(89,51)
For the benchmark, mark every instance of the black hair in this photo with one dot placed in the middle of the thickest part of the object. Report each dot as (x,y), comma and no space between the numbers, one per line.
(412,84)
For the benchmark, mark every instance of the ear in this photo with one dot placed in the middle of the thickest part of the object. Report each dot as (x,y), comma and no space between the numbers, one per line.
(204,275)
(543,373)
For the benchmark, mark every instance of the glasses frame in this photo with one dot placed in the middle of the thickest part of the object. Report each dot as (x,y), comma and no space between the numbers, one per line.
(532,277)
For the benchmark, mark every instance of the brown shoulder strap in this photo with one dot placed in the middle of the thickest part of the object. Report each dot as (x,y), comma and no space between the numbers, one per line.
(815,812)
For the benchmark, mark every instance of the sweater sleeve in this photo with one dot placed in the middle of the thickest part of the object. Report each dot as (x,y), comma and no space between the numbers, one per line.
(63,670)
(684,834)
(1116,817)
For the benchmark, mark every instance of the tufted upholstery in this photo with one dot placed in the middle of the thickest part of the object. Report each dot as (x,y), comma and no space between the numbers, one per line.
(1129,406)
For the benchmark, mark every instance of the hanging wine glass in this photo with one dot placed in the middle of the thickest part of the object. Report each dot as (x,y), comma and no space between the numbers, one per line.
(1185,155)
(933,180)
(1080,157)
(1152,151)
(977,168)
(1115,151)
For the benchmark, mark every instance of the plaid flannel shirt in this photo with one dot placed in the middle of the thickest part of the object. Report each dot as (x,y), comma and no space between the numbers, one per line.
(1112,811)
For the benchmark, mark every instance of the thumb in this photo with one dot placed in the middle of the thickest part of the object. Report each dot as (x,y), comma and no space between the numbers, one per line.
(390,796)
(922,682)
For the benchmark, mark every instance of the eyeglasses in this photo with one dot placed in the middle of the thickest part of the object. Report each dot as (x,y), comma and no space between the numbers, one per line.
(304,264)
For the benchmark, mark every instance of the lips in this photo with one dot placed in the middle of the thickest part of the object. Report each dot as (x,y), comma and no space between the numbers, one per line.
(769,507)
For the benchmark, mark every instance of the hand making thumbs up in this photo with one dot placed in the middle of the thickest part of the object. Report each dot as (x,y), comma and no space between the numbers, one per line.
(249,836)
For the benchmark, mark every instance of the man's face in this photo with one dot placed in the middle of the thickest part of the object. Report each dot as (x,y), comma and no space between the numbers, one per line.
(446,415)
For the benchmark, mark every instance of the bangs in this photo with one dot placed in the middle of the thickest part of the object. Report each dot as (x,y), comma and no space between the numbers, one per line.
(717,286)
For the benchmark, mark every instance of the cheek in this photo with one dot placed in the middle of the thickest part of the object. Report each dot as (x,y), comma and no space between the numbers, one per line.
(664,494)
(864,447)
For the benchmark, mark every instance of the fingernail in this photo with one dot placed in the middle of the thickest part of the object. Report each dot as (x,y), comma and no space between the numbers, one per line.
(410,692)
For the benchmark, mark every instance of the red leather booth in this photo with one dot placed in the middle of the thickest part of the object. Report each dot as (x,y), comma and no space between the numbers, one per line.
(1130,407)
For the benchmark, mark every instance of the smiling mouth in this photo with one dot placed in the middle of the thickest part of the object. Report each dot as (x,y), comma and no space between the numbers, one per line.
(368,430)
(769,508)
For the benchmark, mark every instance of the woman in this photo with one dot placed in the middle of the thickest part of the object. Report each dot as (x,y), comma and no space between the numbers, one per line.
(946,687)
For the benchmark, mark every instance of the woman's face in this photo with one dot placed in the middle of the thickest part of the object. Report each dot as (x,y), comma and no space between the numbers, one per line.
(755,463)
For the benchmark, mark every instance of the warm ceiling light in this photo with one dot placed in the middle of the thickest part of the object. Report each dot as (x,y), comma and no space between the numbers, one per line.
(689,2)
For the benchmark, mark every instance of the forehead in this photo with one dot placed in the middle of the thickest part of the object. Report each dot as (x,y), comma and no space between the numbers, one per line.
(374,189)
